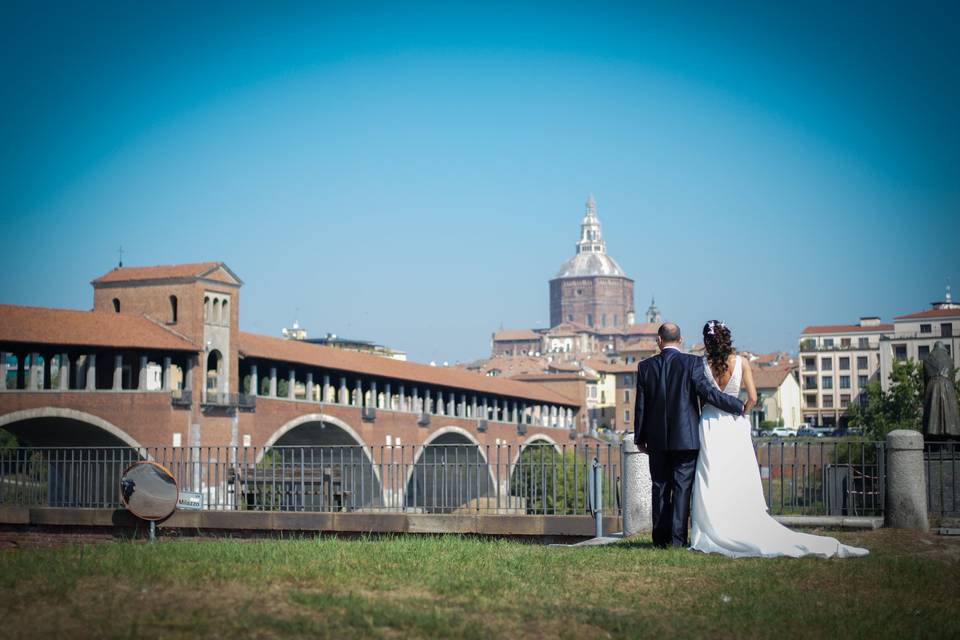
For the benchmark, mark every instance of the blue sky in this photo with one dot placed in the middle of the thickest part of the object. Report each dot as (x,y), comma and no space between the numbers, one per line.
(415,173)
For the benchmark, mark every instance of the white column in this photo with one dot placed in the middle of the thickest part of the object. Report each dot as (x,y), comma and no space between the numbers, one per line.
(292,384)
(416,400)
(166,373)
(142,378)
(3,370)
(254,380)
(427,404)
(326,389)
(309,397)
(64,371)
(344,394)
(118,372)
(374,400)
(389,397)
(359,393)
(403,399)
(273,382)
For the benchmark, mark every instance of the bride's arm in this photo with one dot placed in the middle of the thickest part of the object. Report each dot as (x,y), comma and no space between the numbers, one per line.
(749,386)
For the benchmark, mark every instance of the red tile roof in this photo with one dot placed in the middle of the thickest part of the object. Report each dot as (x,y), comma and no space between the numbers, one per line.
(846,328)
(258,346)
(770,377)
(158,272)
(610,367)
(516,334)
(36,325)
(931,313)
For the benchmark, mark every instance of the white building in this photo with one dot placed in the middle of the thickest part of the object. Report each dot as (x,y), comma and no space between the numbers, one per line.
(915,334)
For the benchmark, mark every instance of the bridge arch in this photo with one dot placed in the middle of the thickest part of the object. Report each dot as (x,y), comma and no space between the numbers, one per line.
(338,452)
(42,415)
(540,478)
(446,474)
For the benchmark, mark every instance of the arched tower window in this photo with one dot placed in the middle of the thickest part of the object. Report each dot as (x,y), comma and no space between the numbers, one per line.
(116,305)
(206,308)
(216,312)
(173,309)
(214,369)
(225,313)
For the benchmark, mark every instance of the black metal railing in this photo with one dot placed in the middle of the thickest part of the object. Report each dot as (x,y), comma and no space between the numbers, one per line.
(943,478)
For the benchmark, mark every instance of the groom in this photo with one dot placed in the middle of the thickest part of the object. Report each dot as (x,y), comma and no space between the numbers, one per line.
(667,427)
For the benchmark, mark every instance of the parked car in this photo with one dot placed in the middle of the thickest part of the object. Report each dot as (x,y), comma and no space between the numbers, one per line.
(783,432)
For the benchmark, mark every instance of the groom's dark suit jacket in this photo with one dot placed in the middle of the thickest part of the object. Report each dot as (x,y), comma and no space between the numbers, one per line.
(667,411)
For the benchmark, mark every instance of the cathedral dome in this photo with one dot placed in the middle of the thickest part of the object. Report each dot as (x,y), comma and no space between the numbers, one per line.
(591,258)
(590,264)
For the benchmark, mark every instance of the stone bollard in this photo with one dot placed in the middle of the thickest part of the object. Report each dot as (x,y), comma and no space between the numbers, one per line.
(906,504)
(637,485)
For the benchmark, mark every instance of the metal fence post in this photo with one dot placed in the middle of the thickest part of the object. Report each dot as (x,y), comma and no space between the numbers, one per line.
(637,487)
(906,503)
(595,496)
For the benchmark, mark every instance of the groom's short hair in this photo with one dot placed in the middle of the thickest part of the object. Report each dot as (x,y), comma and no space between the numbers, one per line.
(669,332)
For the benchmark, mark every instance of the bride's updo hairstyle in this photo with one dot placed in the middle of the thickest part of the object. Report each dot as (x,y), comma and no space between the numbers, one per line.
(718,344)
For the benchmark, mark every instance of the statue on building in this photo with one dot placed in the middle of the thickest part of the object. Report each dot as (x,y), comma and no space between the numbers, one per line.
(941,415)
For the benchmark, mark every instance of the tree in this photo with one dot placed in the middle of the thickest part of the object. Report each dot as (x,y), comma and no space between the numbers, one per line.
(901,407)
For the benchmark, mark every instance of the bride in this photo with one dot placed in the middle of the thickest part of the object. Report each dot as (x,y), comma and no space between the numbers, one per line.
(729,511)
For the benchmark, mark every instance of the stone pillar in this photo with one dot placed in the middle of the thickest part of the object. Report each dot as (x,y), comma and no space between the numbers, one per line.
(374,400)
(309,397)
(292,384)
(452,405)
(3,370)
(570,425)
(463,406)
(404,405)
(254,380)
(474,405)
(64,372)
(388,399)
(166,373)
(142,377)
(485,409)
(344,394)
(188,374)
(36,372)
(359,393)
(427,404)
(273,382)
(441,409)
(326,389)
(637,488)
(415,400)
(118,372)
(906,504)
(496,410)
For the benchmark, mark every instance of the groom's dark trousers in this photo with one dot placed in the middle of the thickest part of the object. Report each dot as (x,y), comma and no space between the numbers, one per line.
(670,388)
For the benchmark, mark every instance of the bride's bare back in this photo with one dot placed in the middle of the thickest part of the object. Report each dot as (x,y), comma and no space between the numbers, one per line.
(747,382)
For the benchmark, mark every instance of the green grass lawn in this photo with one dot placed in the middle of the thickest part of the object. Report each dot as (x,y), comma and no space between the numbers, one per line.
(473,588)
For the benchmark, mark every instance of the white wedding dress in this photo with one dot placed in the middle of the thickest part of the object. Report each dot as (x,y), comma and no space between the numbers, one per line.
(729,513)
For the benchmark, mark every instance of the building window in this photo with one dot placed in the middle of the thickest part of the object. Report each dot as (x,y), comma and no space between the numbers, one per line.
(206,308)
(862,362)
(844,382)
(862,381)
(589,319)
(579,292)
(828,343)
(900,352)
(946,329)
(173,309)
(626,417)
(844,400)
(628,377)
(826,364)
(844,364)
(225,313)
(810,364)
(603,320)
(616,320)
(864,343)
(811,401)
(827,382)
(809,382)
(923,350)
(844,342)
(808,345)
(569,317)
(116,305)
(926,328)
(828,402)
(626,395)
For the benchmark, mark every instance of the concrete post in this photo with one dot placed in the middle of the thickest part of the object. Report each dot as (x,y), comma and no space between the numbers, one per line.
(906,504)
(166,373)
(637,489)
(326,389)
(309,397)
(64,372)
(254,380)
(3,370)
(292,384)
(142,378)
(344,397)
(118,372)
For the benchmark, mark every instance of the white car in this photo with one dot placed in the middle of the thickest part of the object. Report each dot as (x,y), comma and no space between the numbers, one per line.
(783,432)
